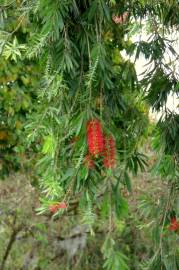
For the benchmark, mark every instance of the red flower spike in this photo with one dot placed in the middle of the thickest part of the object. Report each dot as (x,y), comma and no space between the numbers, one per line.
(174,225)
(62,205)
(109,152)
(54,208)
(94,137)
(89,163)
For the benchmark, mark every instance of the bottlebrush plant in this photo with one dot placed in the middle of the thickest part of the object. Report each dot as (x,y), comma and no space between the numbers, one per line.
(95,138)
(79,45)
(109,152)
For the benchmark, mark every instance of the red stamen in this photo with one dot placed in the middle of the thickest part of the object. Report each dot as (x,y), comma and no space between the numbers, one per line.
(94,137)
(54,208)
(174,225)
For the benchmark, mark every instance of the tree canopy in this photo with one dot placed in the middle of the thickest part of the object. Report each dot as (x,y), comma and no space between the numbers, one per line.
(74,109)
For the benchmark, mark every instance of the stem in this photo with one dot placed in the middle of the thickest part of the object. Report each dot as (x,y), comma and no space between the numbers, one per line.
(10,244)
(164,218)
(110,203)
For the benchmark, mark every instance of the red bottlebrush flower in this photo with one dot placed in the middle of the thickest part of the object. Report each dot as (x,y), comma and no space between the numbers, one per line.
(94,137)
(62,205)
(174,225)
(120,19)
(54,208)
(89,163)
(109,152)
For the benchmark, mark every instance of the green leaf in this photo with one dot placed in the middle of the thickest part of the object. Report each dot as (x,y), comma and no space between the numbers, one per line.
(114,259)
(79,123)
(69,173)
(121,205)
(127,181)
(49,145)
(92,10)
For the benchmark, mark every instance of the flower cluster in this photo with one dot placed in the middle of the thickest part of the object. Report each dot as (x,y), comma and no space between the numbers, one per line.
(55,207)
(98,144)
(109,152)
(95,137)
(174,225)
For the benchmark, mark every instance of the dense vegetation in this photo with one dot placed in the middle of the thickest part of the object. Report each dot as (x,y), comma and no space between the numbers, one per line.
(74,121)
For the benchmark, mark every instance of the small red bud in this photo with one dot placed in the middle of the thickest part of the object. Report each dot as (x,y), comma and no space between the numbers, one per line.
(62,205)
(54,208)
(174,225)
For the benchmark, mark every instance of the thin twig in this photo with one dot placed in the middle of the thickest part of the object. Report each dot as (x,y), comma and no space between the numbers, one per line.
(10,243)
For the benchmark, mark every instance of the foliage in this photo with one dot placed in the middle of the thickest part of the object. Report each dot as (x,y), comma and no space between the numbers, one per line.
(18,83)
(85,77)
